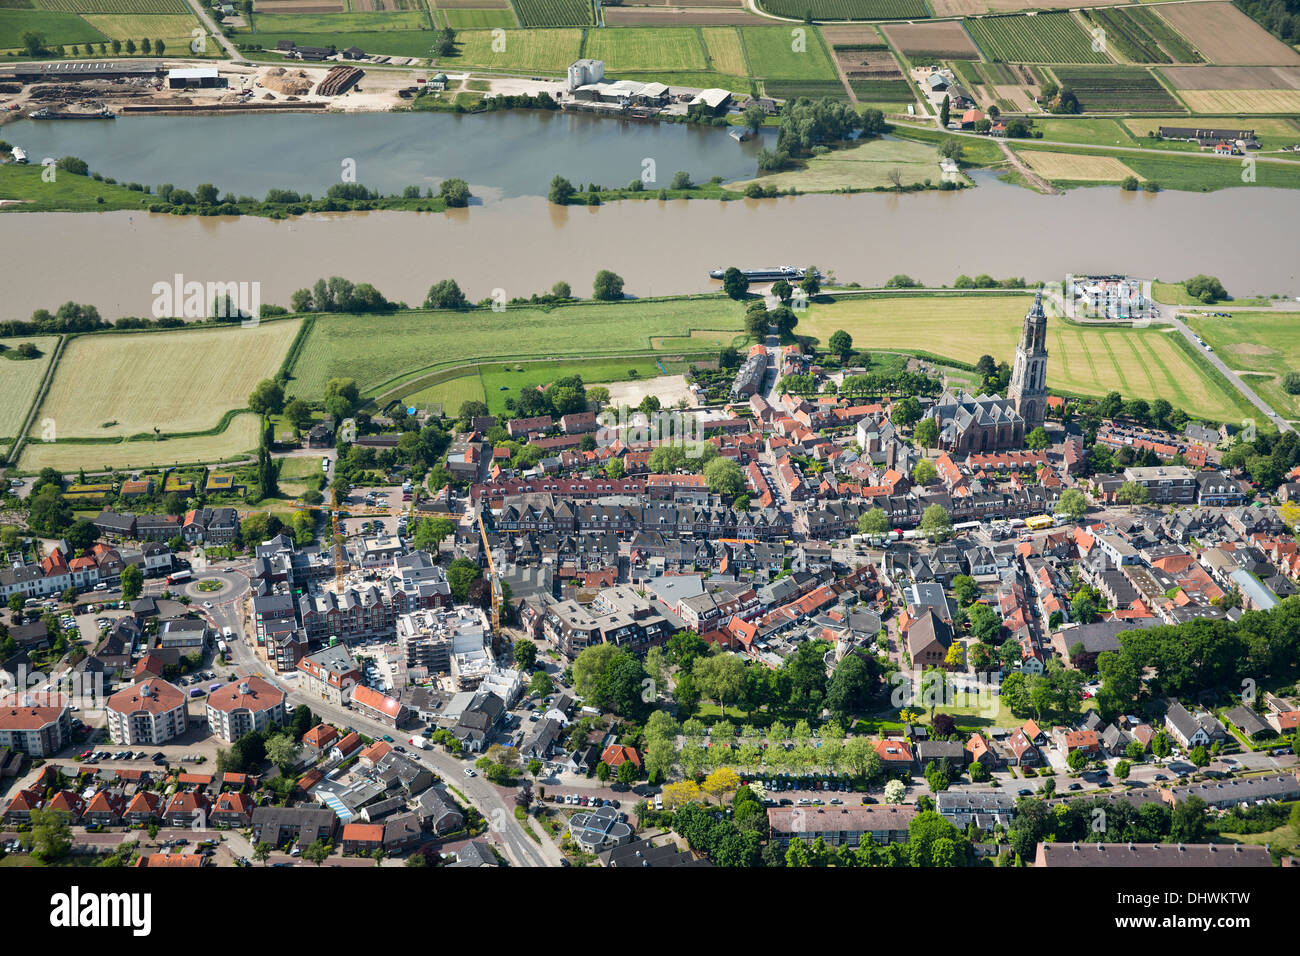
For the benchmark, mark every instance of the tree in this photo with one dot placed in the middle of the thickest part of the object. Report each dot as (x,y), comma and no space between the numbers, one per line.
(1038,439)
(318,852)
(1077,760)
(461,573)
(945,111)
(841,344)
(1122,768)
(446,294)
(724,477)
(267,398)
(1073,503)
(50,837)
(525,654)
(895,791)
(873,522)
(132,582)
(1206,288)
(298,414)
(541,685)
(607,286)
(936,522)
(1199,756)
(906,412)
(852,684)
(984,623)
(680,794)
(561,191)
(1132,493)
(627,773)
(925,472)
(926,432)
(1160,743)
(455,192)
(262,851)
(282,750)
(720,678)
(615,469)
(734,283)
(430,532)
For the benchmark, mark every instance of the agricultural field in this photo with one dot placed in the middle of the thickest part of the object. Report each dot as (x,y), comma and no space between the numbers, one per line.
(725,52)
(669,50)
(450,394)
(1116,89)
(528,50)
(1075,167)
(298,6)
(1225,35)
(1126,37)
(1273,132)
(113,6)
(847,9)
(57,28)
(1139,363)
(1087,131)
(680,16)
(1045,38)
(240,438)
(478,19)
(136,26)
(553,13)
(19,380)
(289,23)
(1206,173)
(865,165)
(111,386)
(1172,42)
(771,56)
(947,40)
(1242,101)
(1262,343)
(385,352)
(413,43)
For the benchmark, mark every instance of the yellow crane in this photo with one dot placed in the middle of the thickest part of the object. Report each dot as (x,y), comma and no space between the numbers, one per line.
(338,540)
(496,588)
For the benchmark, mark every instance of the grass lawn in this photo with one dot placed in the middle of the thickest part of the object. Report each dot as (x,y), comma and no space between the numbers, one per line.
(117,385)
(136,26)
(515,376)
(863,165)
(1260,342)
(772,55)
(479,19)
(58,28)
(1095,132)
(726,52)
(980,152)
(238,440)
(68,193)
(528,50)
(1142,363)
(450,394)
(299,466)
(384,352)
(671,50)
(1210,173)
(19,379)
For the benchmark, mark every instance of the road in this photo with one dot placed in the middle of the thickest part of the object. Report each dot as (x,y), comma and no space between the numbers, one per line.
(214,32)
(486,798)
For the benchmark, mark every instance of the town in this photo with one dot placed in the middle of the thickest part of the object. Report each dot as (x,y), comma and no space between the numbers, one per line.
(808,610)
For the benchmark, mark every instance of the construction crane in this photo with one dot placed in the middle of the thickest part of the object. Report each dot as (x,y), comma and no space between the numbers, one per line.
(338,540)
(496,588)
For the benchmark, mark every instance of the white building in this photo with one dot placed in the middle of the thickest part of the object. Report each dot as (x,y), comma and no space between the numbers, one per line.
(583,72)
(249,704)
(151,712)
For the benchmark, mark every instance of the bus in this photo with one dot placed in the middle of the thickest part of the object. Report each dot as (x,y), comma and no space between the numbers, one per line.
(1039,522)
(177,576)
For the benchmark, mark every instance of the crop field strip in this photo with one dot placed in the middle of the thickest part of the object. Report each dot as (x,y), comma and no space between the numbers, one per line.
(525,50)
(1116,89)
(553,13)
(1126,36)
(673,49)
(113,6)
(1170,40)
(1045,38)
(848,9)
(19,380)
(136,26)
(238,439)
(932,41)
(1226,36)
(472,19)
(770,55)
(725,52)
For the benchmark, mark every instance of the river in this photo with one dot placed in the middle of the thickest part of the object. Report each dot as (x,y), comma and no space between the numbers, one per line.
(517,242)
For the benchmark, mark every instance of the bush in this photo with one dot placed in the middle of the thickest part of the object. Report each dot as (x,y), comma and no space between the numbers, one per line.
(1291,382)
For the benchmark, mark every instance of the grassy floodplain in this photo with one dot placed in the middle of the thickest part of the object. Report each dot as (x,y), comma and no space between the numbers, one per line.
(1263,344)
(1138,363)
(176,381)
(19,380)
(385,353)
(238,439)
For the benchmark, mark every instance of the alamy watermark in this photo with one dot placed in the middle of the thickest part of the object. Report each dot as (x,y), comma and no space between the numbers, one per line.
(182,299)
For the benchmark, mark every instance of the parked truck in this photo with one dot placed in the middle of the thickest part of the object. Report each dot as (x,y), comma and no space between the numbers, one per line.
(420,743)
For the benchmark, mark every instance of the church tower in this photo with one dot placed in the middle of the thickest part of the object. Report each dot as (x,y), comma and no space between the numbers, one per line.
(1028,391)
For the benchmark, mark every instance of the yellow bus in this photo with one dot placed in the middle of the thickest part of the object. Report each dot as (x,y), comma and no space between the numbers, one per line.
(1039,522)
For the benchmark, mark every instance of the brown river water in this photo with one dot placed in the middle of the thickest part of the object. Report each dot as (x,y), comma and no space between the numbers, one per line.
(1245,236)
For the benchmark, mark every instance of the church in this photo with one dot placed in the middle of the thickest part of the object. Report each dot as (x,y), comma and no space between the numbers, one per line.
(970,424)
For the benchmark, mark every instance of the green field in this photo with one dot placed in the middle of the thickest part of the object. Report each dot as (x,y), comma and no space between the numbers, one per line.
(1086,131)
(171,28)
(553,13)
(1138,363)
(118,385)
(1045,38)
(239,439)
(848,9)
(1126,36)
(1207,173)
(339,22)
(478,19)
(113,6)
(1264,343)
(526,50)
(1115,88)
(861,166)
(384,352)
(725,51)
(67,193)
(57,28)
(1169,39)
(628,48)
(19,380)
(773,54)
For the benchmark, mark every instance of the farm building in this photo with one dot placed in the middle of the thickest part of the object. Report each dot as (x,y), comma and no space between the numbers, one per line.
(1207,138)
(200,76)
(716,100)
